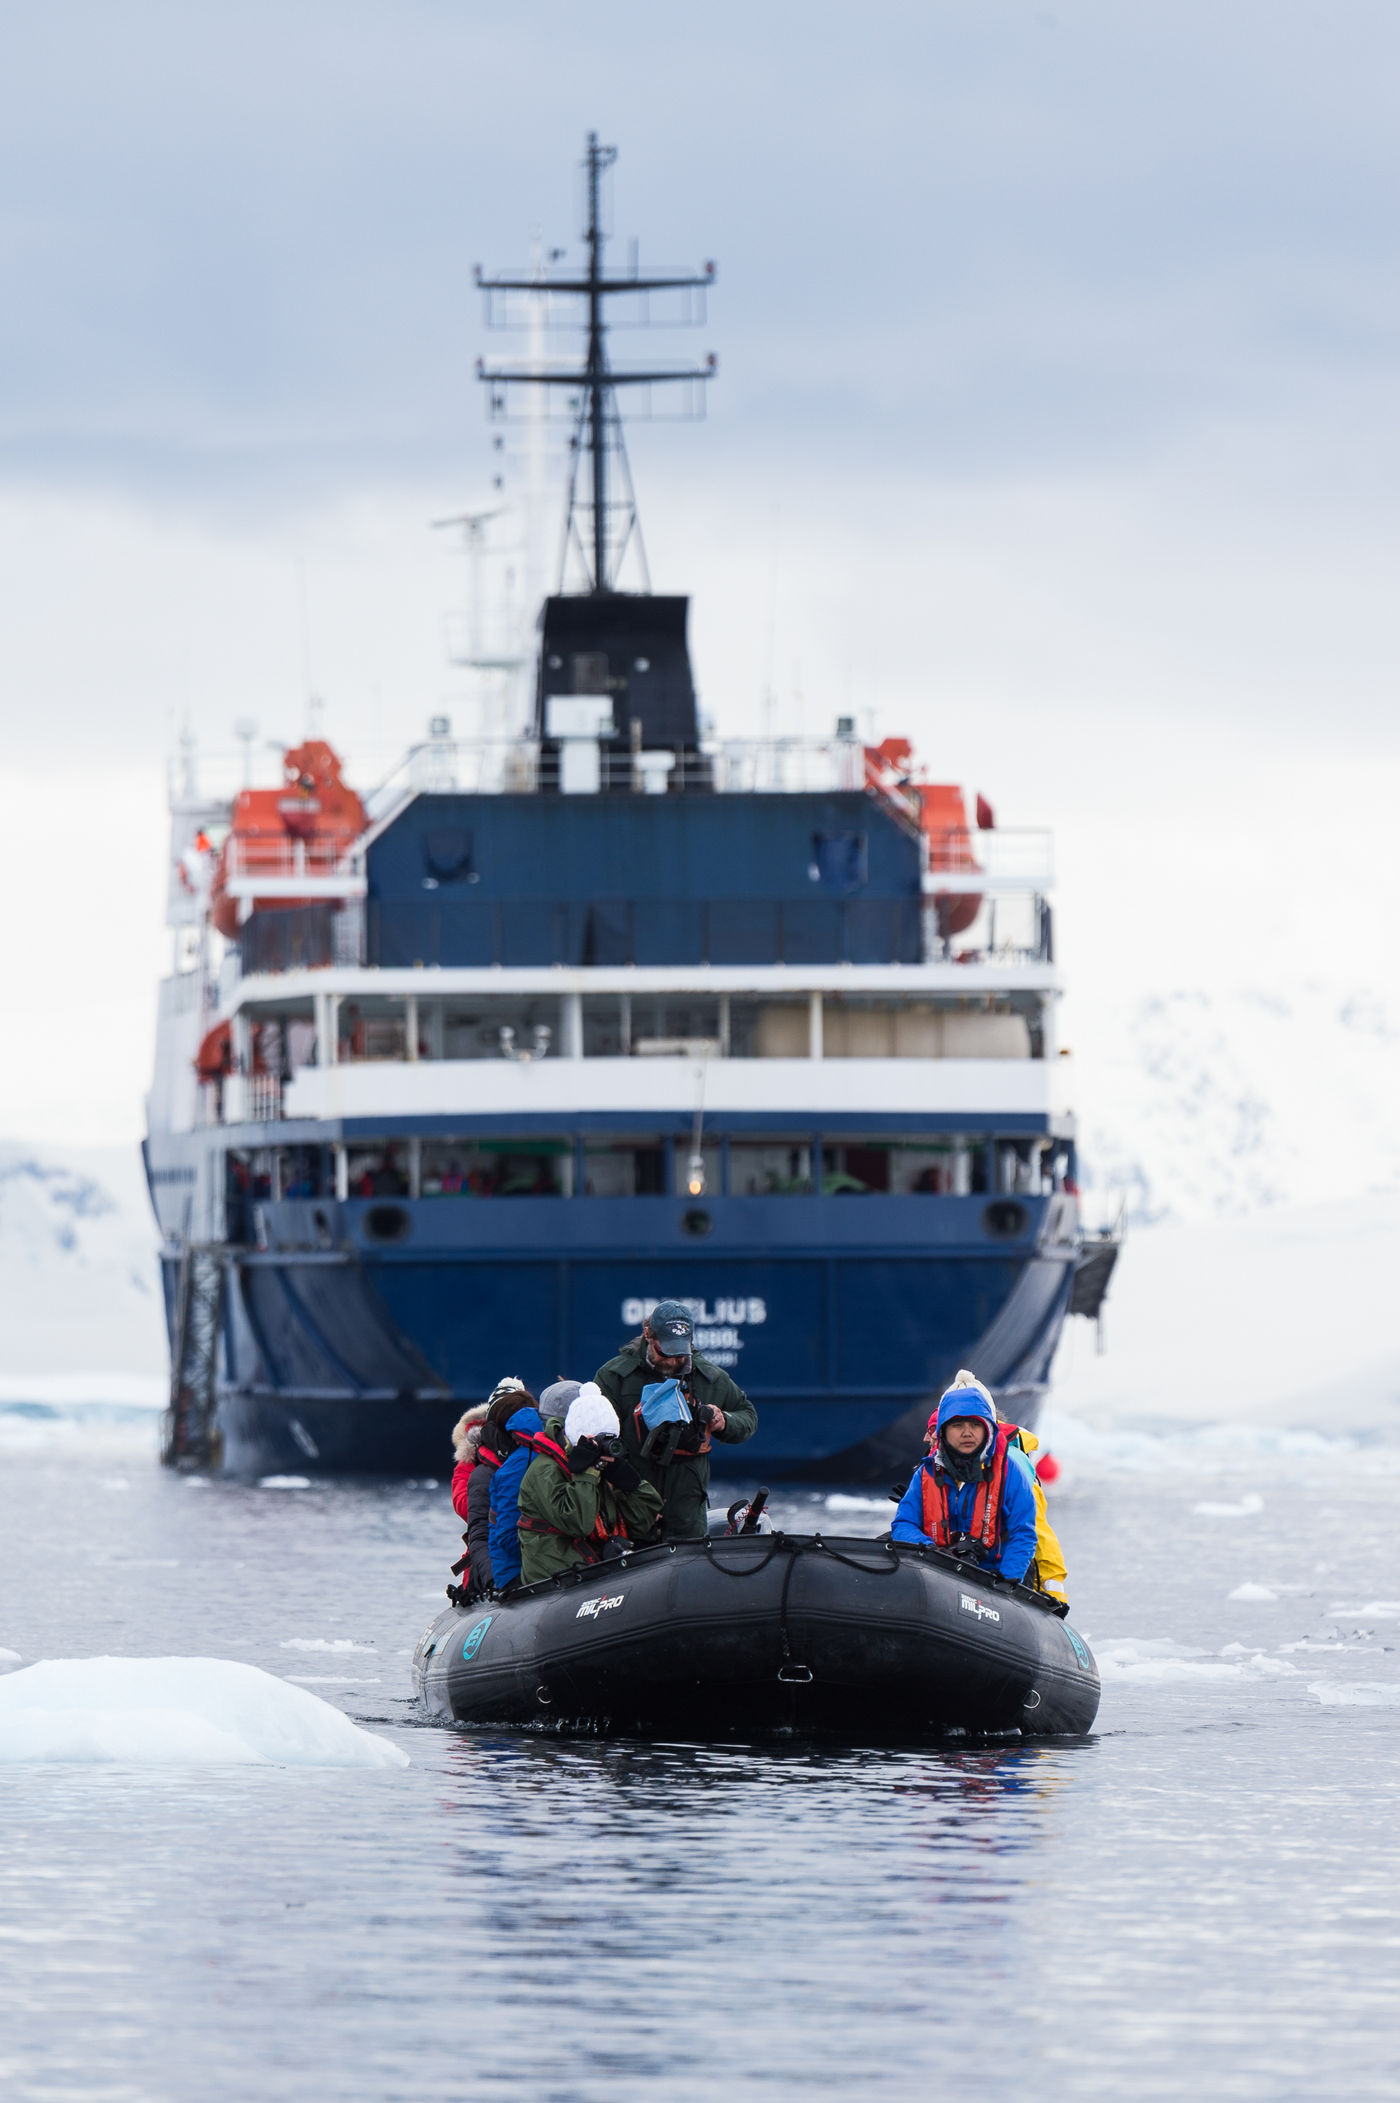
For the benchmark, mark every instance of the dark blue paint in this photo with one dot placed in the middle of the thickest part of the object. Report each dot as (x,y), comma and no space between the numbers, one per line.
(666,880)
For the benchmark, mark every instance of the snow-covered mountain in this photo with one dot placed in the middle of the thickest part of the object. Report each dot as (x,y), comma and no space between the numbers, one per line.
(1285,1318)
(80,1297)
(1197,1105)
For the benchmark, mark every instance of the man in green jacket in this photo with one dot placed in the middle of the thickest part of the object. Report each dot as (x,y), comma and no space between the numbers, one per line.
(580,1491)
(664,1351)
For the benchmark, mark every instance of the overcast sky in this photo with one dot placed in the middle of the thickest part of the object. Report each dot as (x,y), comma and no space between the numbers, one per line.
(1056,424)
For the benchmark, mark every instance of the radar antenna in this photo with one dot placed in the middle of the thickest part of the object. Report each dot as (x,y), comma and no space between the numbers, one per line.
(599,526)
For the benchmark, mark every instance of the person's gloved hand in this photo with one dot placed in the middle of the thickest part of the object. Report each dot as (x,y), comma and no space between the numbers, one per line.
(691,1439)
(586,1454)
(622,1475)
(478,1594)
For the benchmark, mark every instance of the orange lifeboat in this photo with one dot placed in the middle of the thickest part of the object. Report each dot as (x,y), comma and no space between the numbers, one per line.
(214,1058)
(939,810)
(302,828)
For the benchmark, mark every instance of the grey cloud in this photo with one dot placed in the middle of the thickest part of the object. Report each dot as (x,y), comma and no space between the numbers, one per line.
(237,243)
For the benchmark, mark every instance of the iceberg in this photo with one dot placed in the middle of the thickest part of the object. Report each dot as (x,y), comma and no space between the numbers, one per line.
(176,1712)
(1356,1694)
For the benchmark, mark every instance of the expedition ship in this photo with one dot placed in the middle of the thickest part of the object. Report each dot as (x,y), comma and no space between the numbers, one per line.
(461,1078)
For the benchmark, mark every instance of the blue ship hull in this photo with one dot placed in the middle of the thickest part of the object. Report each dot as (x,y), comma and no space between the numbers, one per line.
(840,1319)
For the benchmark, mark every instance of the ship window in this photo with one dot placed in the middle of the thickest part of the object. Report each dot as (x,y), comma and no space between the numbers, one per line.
(779,1168)
(688,1025)
(857,1028)
(590,669)
(616,1025)
(916,1165)
(1023,1167)
(624,1168)
(769,1028)
(371,1031)
(496,1029)
(604,1025)
(379,1171)
(301,1172)
(497,1168)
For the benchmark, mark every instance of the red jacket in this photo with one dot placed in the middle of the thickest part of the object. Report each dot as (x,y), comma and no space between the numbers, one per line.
(461,1476)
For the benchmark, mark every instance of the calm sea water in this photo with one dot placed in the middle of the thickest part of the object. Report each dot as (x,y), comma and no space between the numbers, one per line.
(1202,1900)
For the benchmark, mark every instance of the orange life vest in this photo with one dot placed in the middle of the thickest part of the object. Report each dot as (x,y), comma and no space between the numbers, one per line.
(986,1505)
(539,1442)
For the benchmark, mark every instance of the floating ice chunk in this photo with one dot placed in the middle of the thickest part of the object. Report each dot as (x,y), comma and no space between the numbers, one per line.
(1132,1658)
(328,1679)
(176,1712)
(1245,1509)
(837,1502)
(1356,1694)
(1258,1592)
(9,1659)
(1156,1658)
(337,1643)
(1374,1610)
(284,1482)
(195,1482)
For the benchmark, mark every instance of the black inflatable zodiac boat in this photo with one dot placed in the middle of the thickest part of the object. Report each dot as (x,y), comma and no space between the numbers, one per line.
(744,1633)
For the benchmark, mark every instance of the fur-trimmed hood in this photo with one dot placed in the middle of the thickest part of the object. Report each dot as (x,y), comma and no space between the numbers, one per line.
(466,1432)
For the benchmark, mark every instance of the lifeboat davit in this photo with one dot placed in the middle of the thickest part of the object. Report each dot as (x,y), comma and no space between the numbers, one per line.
(752,1632)
(302,828)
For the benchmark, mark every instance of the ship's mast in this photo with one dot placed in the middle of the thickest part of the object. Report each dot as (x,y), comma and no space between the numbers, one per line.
(592,387)
(599,158)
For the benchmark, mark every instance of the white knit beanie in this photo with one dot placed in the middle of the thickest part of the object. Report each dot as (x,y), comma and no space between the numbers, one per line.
(965,1379)
(591,1416)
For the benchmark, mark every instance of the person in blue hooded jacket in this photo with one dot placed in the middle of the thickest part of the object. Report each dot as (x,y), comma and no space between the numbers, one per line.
(973,1493)
(519,1419)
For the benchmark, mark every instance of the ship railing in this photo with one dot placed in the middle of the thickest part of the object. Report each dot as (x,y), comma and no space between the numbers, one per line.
(261,1098)
(248,856)
(998,924)
(1020,858)
(734,766)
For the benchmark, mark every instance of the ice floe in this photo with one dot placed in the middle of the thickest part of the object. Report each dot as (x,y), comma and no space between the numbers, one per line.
(339,1644)
(328,1679)
(1356,1694)
(1143,1659)
(176,1712)
(1255,1592)
(1374,1610)
(839,1502)
(1245,1508)
(284,1482)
